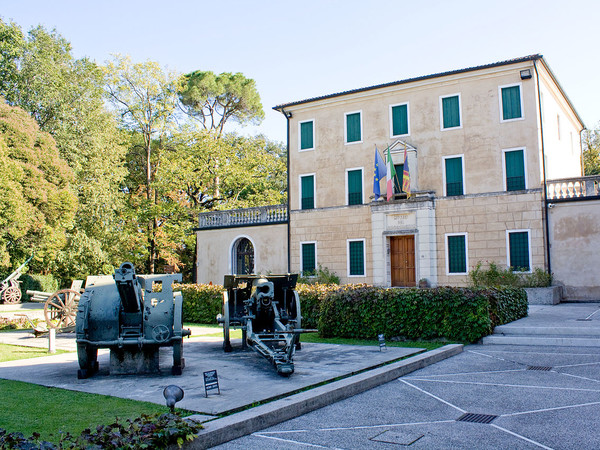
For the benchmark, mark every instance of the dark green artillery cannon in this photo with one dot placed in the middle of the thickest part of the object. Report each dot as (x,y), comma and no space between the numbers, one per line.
(267,309)
(132,315)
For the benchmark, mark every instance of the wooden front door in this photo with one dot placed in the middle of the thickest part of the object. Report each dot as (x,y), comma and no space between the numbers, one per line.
(402,260)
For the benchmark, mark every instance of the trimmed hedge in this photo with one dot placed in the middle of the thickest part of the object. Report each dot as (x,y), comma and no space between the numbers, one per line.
(201,302)
(458,314)
(363,312)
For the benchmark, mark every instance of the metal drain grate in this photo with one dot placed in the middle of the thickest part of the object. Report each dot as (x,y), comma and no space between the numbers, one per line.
(476,418)
(541,368)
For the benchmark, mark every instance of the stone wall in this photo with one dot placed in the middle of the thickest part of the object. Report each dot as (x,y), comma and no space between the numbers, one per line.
(486,218)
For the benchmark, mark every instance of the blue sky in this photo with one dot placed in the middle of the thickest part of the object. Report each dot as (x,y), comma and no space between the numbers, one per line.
(297,50)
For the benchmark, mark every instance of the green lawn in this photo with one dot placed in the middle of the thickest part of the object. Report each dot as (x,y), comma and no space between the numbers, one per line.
(314,337)
(29,407)
(13,352)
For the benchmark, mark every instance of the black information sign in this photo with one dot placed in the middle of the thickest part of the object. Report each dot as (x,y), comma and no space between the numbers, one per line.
(381,339)
(211,381)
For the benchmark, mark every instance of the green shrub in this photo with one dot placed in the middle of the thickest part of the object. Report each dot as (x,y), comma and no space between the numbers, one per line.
(321,276)
(201,302)
(311,296)
(494,276)
(458,314)
(37,282)
(155,431)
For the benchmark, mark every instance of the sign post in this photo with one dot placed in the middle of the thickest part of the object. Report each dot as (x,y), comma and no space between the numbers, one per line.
(211,382)
(381,339)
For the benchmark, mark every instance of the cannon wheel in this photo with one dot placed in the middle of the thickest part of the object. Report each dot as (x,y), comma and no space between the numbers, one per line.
(178,360)
(88,360)
(11,295)
(60,309)
(226,339)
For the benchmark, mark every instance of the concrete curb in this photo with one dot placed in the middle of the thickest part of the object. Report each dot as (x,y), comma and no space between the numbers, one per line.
(246,422)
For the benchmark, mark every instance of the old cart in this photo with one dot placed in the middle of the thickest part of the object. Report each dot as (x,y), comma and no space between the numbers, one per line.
(60,307)
(10,292)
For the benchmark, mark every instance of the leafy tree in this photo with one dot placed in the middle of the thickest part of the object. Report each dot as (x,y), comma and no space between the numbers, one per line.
(36,201)
(591,151)
(145,98)
(215,99)
(66,98)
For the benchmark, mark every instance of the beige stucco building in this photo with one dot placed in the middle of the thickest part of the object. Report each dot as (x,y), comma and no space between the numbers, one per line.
(480,142)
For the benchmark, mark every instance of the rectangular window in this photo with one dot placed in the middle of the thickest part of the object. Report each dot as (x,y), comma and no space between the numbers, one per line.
(355,190)
(456,256)
(450,111)
(309,258)
(307,135)
(454,176)
(518,250)
(307,192)
(399,119)
(399,168)
(353,127)
(514,164)
(511,102)
(356,258)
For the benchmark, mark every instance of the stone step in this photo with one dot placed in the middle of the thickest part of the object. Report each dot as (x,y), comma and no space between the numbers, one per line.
(590,329)
(541,340)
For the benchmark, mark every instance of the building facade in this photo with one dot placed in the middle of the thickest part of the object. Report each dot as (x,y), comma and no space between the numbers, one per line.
(480,143)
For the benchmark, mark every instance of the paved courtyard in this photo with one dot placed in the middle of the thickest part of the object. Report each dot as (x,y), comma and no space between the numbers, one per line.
(531,397)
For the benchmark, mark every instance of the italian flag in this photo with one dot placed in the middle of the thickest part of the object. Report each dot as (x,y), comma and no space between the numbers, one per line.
(390,175)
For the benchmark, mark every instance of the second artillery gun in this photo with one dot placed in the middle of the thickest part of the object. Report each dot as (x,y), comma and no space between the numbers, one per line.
(133,315)
(267,309)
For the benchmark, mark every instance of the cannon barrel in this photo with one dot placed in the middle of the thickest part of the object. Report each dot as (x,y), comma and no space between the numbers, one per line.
(128,287)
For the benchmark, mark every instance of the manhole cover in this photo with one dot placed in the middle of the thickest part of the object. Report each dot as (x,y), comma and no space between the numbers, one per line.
(476,418)
(541,368)
(397,437)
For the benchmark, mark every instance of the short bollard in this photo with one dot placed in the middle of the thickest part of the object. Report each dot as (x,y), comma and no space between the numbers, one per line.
(52,340)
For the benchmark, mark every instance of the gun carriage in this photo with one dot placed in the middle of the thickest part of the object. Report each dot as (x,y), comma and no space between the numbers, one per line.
(132,315)
(10,291)
(267,309)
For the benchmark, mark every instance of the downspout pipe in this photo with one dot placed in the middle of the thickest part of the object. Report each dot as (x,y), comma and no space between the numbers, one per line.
(545,190)
(288,116)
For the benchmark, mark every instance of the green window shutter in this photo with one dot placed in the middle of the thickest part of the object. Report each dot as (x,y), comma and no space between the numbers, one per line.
(353,132)
(454,176)
(511,102)
(398,178)
(357,258)
(451,112)
(457,254)
(306,135)
(518,243)
(308,259)
(355,194)
(308,192)
(399,120)
(515,170)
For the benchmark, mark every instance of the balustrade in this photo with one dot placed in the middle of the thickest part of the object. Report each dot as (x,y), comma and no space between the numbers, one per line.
(571,188)
(261,215)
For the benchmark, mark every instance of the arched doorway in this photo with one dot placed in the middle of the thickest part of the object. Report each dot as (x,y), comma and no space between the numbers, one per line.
(243,257)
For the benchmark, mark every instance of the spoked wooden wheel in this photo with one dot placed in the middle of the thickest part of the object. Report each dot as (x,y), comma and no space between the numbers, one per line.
(11,295)
(60,309)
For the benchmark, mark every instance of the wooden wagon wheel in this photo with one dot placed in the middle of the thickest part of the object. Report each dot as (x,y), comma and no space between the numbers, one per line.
(11,295)
(60,309)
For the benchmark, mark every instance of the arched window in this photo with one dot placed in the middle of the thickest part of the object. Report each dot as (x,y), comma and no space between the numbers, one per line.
(243,257)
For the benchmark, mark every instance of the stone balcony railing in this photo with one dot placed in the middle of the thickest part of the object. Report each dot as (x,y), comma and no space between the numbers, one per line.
(579,188)
(261,215)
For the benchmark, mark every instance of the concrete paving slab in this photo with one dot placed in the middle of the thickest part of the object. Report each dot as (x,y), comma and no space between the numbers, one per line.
(535,409)
(244,376)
